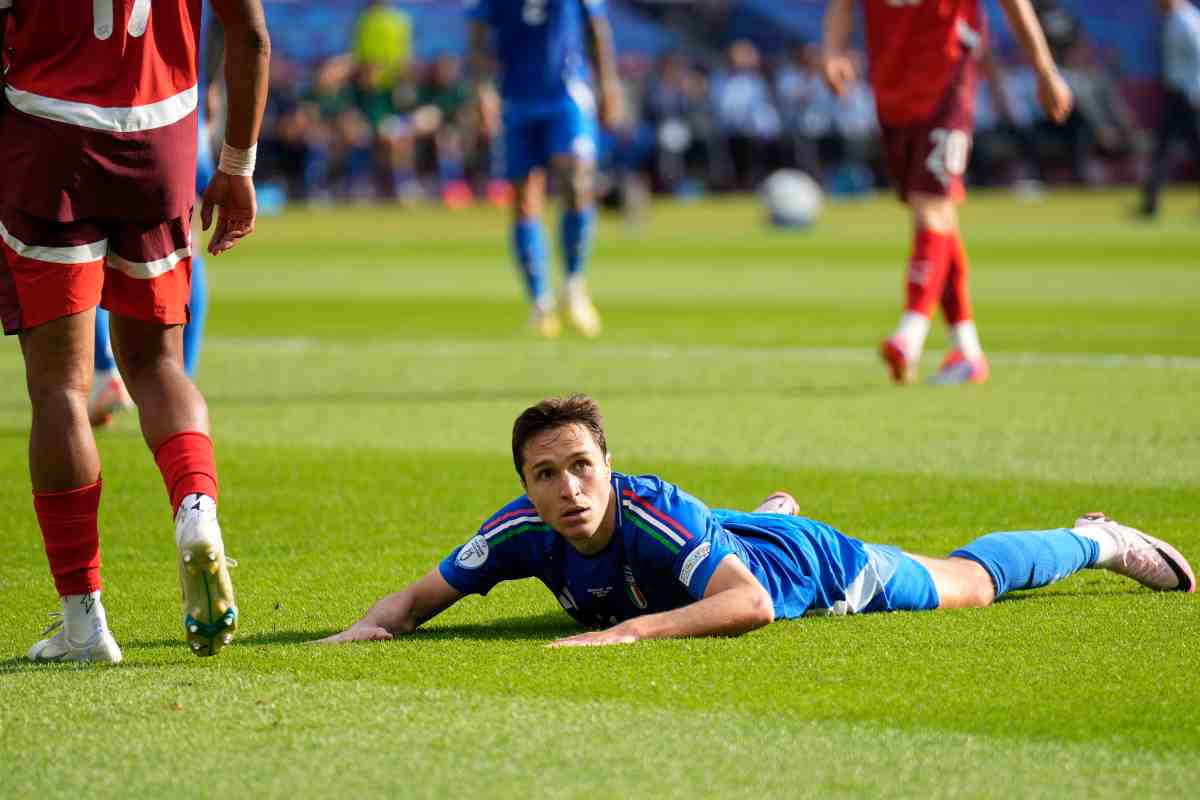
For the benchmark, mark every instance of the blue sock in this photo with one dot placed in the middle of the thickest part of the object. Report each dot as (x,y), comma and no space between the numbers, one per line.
(575,237)
(193,332)
(104,360)
(529,244)
(1029,559)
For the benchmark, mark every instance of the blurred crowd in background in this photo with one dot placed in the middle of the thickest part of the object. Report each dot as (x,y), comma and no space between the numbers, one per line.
(711,108)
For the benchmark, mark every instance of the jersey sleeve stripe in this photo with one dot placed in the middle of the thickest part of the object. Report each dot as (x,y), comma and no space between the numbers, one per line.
(647,506)
(658,537)
(501,538)
(663,530)
(496,520)
(499,529)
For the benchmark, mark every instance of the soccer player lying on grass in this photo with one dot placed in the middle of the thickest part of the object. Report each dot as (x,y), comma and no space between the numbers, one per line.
(640,558)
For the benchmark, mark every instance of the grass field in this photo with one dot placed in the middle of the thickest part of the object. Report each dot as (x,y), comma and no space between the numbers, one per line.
(363,370)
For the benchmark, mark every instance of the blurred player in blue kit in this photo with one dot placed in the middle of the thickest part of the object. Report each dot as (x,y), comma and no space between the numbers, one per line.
(547,111)
(639,558)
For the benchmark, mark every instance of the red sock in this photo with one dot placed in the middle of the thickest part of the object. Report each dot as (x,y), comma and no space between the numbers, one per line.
(71,532)
(187,465)
(956,297)
(927,270)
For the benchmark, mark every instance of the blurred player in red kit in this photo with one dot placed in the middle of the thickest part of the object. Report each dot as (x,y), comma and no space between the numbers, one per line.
(98,145)
(923,61)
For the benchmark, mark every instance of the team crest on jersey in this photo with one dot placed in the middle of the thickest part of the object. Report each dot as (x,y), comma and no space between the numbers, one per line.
(473,553)
(635,594)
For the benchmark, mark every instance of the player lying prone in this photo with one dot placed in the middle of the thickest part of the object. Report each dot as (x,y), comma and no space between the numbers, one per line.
(639,558)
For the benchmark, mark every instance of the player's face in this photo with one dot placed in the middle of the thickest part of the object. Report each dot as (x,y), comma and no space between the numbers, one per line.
(568,480)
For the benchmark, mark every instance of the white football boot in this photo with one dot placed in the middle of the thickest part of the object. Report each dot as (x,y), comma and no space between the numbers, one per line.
(779,503)
(1129,552)
(209,609)
(100,647)
(581,312)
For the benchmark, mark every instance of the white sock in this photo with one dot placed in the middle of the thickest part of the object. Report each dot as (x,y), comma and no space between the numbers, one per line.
(1110,546)
(966,338)
(83,616)
(910,334)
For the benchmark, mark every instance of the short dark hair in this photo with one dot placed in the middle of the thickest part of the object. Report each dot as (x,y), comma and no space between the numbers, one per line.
(556,412)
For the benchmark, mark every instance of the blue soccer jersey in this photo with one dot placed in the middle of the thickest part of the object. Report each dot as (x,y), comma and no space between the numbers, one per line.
(540,45)
(665,548)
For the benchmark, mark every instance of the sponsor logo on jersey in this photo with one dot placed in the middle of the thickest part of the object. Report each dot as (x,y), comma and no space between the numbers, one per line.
(567,600)
(635,594)
(694,559)
(599,591)
(473,553)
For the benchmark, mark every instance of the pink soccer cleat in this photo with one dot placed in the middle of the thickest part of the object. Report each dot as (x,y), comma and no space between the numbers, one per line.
(957,368)
(108,396)
(1149,561)
(779,503)
(897,362)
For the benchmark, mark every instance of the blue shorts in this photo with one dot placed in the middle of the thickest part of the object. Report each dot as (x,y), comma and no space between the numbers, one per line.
(899,581)
(535,135)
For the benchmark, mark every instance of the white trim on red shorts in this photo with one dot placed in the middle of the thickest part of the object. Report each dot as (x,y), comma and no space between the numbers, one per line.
(100,118)
(148,270)
(73,254)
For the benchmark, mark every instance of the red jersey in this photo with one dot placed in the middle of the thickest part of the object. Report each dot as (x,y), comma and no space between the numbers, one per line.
(101,108)
(916,49)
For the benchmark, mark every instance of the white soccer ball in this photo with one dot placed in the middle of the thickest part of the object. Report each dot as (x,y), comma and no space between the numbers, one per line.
(793,199)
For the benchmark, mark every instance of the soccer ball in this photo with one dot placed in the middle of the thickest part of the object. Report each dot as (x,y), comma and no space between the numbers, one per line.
(793,199)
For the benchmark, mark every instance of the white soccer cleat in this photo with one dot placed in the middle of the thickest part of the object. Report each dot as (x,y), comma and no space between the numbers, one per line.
(1149,561)
(779,503)
(100,648)
(107,397)
(209,608)
(545,323)
(581,312)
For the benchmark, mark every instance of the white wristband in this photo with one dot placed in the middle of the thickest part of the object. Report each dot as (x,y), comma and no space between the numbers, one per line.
(237,162)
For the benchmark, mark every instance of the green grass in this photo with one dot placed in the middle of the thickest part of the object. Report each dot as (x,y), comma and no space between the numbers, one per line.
(363,370)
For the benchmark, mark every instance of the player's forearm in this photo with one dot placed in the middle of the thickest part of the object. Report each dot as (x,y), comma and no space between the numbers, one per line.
(728,613)
(600,42)
(837,27)
(406,610)
(1024,23)
(247,62)
(478,58)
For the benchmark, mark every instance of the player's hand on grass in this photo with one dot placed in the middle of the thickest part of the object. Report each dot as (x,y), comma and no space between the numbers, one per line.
(233,196)
(618,634)
(838,71)
(1054,96)
(358,633)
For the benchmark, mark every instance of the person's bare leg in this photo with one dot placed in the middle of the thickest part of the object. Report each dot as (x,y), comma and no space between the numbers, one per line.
(175,425)
(150,356)
(64,468)
(58,374)
(577,177)
(960,582)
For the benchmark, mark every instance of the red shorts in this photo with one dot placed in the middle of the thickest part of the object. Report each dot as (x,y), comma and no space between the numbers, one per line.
(930,156)
(53,269)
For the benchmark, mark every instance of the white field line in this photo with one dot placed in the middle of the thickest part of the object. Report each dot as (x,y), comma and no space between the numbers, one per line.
(466,348)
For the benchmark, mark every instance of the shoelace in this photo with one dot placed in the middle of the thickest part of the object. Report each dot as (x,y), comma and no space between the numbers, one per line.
(57,616)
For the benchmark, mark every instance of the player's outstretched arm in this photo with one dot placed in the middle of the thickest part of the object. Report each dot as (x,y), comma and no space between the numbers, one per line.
(1054,95)
(479,75)
(600,44)
(402,611)
(836,65)
(247,60)
(734,603)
